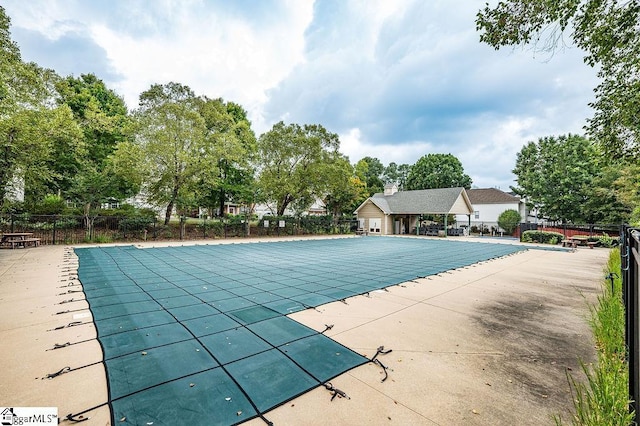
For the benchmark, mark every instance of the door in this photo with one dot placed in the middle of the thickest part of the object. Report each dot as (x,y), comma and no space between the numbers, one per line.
(374,225)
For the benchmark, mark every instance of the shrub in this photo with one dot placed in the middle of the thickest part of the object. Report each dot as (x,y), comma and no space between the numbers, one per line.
(134,223)
(606,241)
(50,205)
(509,220)
(543,237)
(210,228)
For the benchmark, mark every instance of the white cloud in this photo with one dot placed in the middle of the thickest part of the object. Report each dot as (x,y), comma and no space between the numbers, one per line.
(352,145)
(396,79)
(214,55)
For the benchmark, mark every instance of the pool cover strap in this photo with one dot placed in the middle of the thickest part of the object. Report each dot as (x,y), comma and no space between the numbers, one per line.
(375,360)
(335,391)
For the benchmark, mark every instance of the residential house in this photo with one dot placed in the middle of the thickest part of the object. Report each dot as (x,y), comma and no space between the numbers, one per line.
(398,212)
(318,208)
(488,204)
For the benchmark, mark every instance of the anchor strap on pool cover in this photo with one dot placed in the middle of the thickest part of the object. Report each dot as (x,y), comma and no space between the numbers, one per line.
(198,335)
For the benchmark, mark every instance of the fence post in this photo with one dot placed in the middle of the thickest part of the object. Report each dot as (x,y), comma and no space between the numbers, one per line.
(12,225)
(629,264)
(55,225)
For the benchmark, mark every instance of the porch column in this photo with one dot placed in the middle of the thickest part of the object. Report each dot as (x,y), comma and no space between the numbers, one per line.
(446,217)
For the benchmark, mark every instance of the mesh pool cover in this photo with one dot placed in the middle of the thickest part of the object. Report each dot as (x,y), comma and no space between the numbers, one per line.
(198,335)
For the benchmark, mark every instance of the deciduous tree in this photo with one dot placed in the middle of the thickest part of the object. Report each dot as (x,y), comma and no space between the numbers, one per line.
(171,135)
(509,220)
(607,31)
(437,171)
(370,170)
(556,175)
(344,190)
(396,173)
(292,162)
(233,143)
(26,91)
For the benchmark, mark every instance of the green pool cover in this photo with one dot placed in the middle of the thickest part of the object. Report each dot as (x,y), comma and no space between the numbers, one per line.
(198,335)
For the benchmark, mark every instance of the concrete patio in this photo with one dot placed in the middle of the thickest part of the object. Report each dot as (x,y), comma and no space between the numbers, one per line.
(487,344)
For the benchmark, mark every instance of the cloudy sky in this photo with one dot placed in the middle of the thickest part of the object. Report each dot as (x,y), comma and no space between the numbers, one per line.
(395,79)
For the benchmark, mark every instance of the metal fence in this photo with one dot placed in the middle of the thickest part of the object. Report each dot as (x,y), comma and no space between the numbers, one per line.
(54,229)
(629,251)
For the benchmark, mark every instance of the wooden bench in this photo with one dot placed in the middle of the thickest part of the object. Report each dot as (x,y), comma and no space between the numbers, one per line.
(571,243)
(591,244)
(362,232)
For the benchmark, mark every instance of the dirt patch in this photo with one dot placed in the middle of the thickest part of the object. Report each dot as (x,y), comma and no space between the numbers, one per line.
(542,338)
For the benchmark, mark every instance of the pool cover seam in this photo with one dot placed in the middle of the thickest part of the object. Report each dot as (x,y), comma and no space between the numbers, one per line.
(244,392)
(259,412)
(202,271)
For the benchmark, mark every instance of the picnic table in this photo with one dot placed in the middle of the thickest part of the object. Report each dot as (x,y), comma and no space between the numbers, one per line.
(19,239)
(578,240)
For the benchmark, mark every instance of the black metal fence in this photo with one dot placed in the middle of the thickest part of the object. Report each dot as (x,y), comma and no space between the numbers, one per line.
(630,265)
(103,229)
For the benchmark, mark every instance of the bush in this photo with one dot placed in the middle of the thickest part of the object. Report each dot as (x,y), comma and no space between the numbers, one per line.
(542,237)
(138,223)
(606,241)
(210,228)
(50,205)
(509,220)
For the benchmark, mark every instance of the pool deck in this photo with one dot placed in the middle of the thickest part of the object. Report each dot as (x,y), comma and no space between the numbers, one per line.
(486,344)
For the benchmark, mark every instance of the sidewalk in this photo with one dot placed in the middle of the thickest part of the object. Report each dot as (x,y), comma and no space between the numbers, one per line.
(488,344)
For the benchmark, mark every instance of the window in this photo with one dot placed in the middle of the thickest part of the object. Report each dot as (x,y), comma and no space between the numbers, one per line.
(476,214)
(374,225)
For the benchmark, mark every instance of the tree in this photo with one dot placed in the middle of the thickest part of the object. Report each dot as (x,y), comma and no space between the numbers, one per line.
(614,193)
(370,170)
(171,135)
(292,163)
(437,171)
(101,113)
(556,176)
(229,136)
(509,221)
(26,150)
(25,95)
(608,32)
(91,175)
(344,191)
(397,174)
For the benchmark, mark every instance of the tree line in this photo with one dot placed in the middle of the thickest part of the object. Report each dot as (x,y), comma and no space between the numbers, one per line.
(73,139)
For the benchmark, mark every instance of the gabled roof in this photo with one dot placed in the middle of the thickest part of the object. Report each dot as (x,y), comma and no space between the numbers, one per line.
(425,201)
(491,196)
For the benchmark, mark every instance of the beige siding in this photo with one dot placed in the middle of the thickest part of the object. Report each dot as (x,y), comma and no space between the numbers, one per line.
(387,225)
(371,211)
(460,207)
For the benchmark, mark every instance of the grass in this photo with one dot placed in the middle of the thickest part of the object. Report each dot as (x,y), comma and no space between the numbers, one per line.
(99,239)
(604,398)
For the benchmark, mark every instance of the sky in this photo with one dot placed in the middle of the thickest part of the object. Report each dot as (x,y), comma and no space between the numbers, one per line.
(396,80)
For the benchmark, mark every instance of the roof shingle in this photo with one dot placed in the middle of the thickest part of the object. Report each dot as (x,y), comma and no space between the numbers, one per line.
(432,201)
(490,196)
